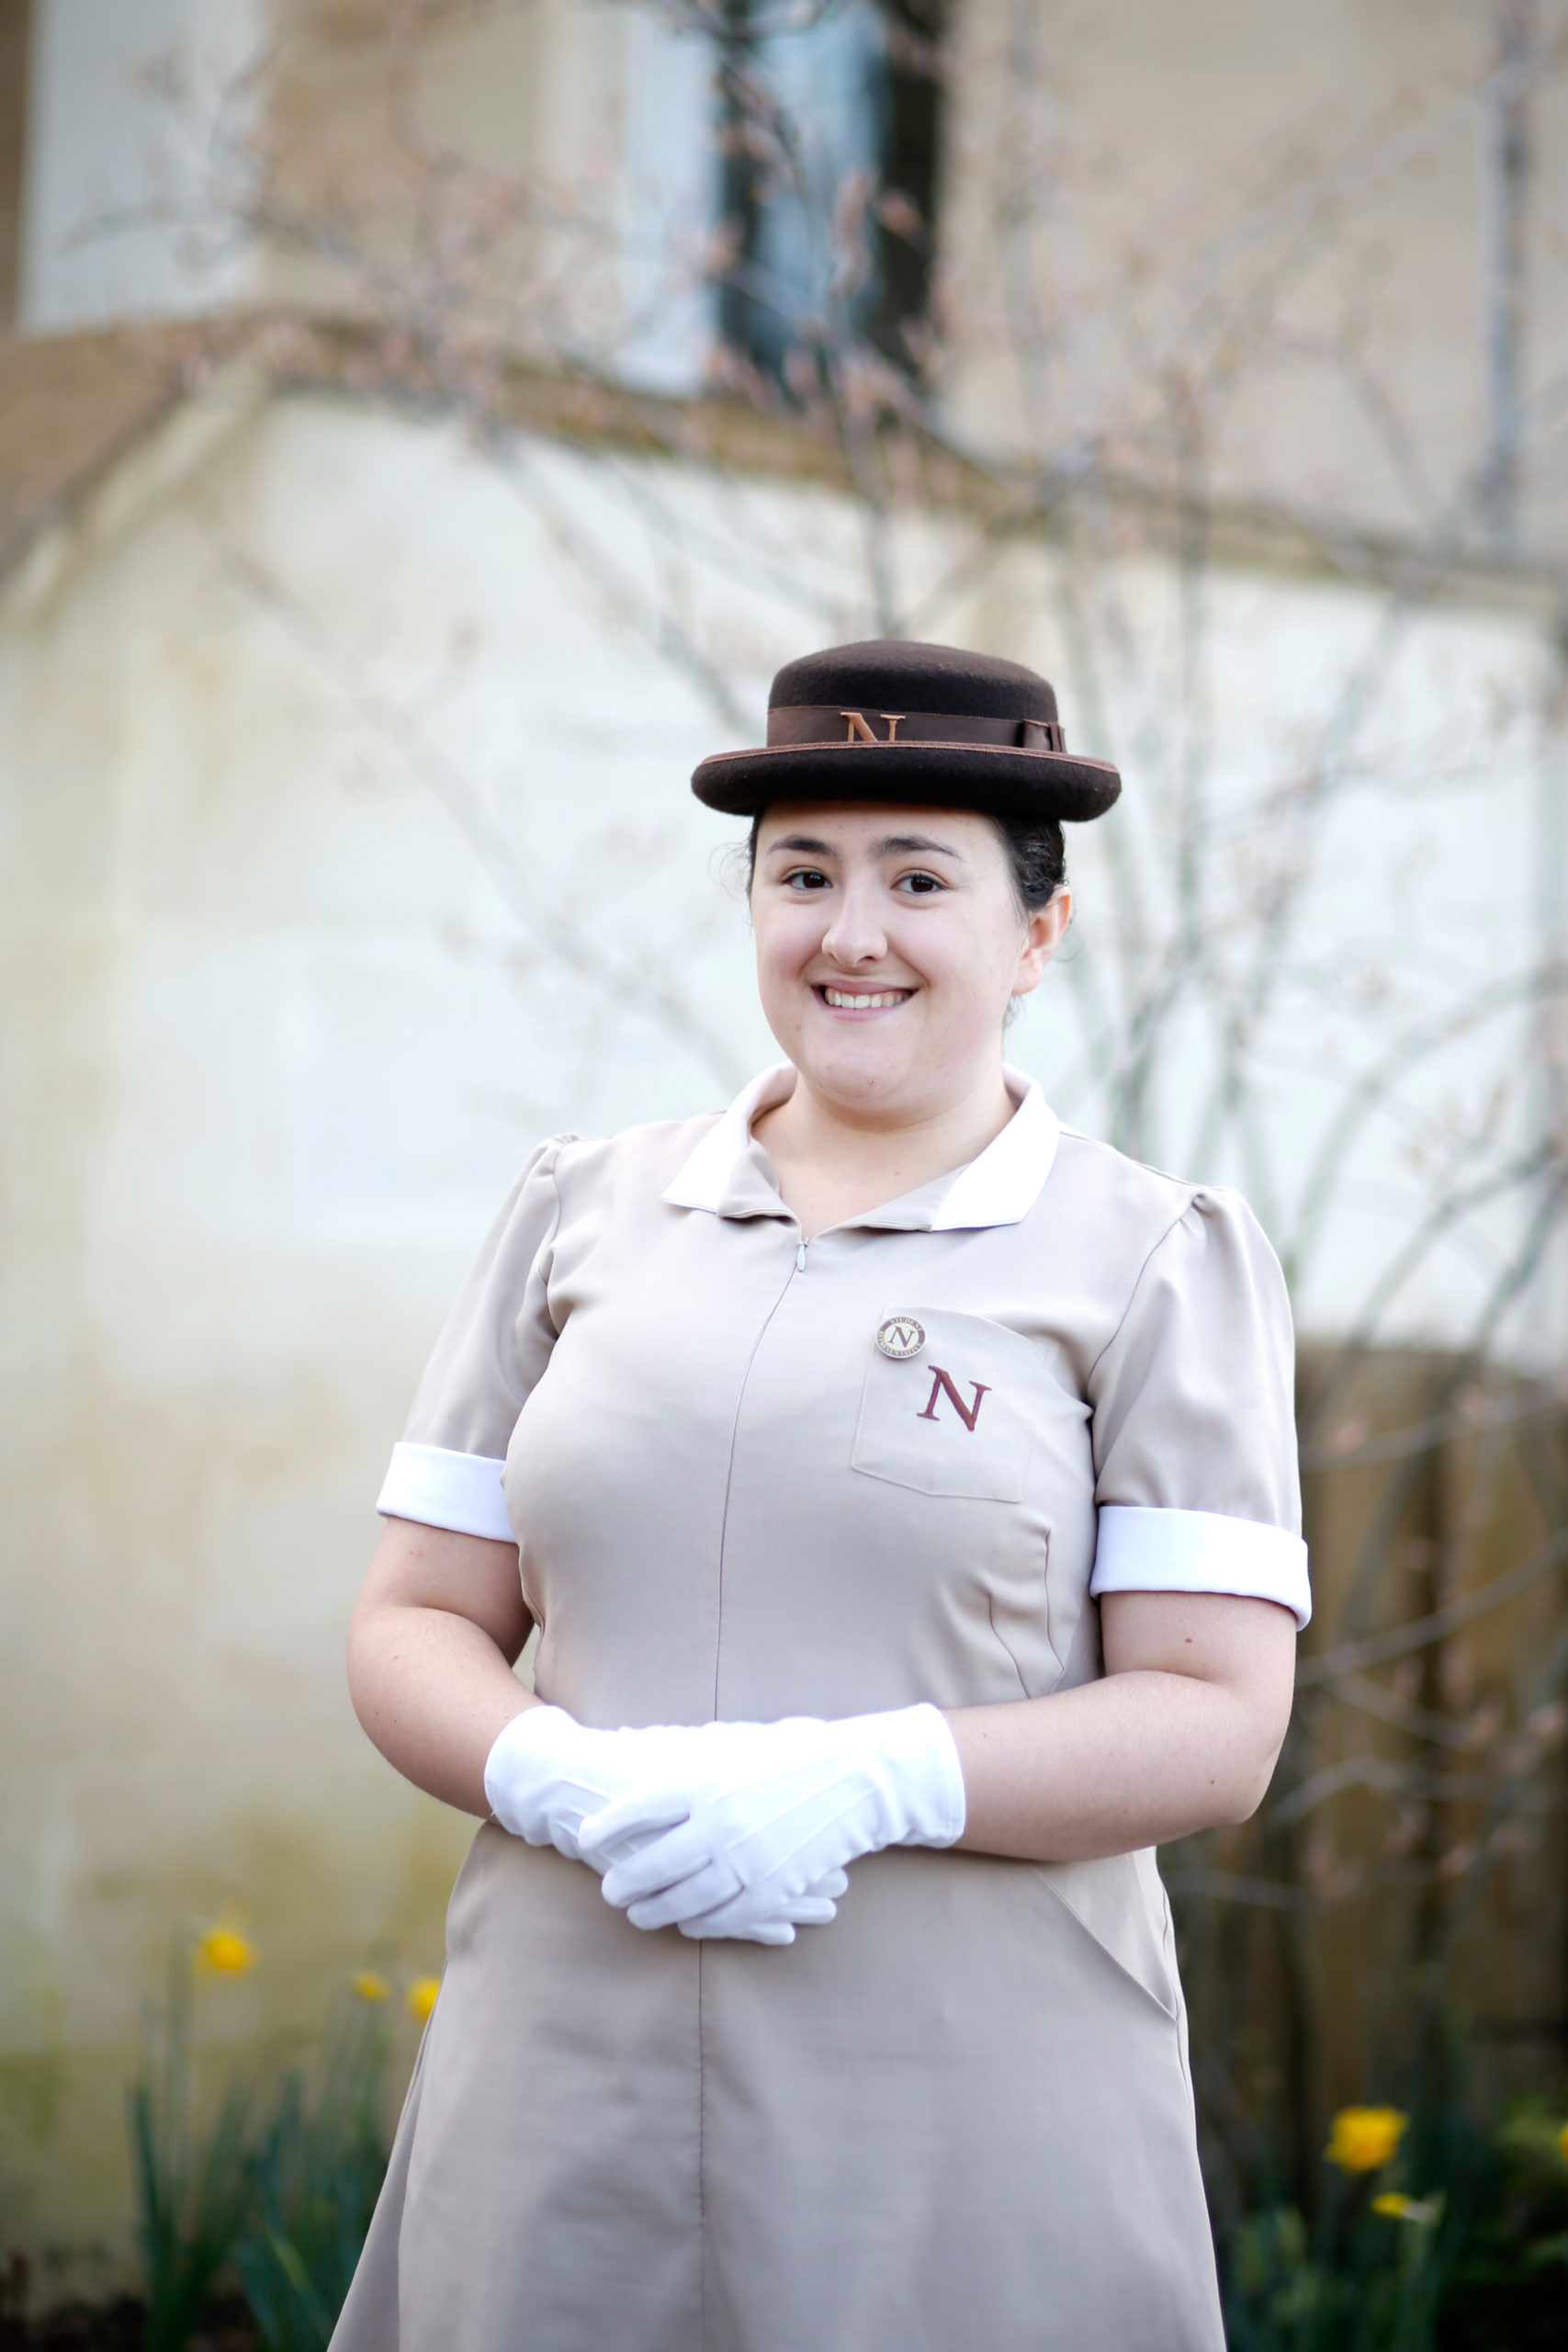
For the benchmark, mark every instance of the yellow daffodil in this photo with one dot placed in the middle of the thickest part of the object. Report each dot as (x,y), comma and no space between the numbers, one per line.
(1396,2208)
(1364,2138)
(368,1986)
(225,1951)
(420,1996)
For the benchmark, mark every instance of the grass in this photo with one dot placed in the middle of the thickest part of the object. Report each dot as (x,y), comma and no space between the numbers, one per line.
(192,2184)
(278,2197)
(315,2174)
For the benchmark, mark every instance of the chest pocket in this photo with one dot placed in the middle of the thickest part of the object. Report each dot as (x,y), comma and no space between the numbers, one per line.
(958,1418)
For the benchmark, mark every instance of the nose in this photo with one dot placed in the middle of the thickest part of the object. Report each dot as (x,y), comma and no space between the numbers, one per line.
(856,935)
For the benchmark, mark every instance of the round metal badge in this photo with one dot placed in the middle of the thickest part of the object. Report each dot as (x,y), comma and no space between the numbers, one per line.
(901,1338)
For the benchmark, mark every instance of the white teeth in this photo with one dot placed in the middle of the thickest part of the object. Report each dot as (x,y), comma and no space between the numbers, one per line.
(847,1004)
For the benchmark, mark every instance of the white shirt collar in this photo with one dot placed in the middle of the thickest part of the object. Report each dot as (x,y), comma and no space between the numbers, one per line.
(999,1187)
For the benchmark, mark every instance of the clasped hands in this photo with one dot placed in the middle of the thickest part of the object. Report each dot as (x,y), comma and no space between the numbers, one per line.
(727,1828)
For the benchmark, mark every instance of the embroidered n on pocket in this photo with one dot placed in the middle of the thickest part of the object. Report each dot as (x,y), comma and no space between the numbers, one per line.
(960,1416)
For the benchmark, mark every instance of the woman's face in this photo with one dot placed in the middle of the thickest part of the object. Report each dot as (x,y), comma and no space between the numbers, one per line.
(889,942)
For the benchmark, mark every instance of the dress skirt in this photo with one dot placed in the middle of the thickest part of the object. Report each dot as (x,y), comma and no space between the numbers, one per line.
(955,2119)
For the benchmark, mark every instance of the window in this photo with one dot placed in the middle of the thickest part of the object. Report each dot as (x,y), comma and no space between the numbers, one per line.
(829,128)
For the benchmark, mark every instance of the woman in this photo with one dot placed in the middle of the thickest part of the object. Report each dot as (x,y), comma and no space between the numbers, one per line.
(905,1490)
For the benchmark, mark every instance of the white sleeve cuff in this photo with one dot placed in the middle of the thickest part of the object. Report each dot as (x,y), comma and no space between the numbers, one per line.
(1200,1551)
(462,1492)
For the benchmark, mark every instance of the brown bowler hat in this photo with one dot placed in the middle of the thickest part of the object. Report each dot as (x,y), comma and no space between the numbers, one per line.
(925,725)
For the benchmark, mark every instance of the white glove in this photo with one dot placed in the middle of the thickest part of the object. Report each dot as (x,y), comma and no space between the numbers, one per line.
(769,1811)
(547,1773)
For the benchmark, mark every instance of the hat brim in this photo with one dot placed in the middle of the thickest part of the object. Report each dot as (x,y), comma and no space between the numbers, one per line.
(996,779)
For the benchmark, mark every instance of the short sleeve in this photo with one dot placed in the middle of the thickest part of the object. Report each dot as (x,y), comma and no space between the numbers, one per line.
(492,1352)
(1194,1420)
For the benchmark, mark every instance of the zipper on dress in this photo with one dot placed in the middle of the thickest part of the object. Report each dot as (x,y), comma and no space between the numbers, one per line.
(800,1258)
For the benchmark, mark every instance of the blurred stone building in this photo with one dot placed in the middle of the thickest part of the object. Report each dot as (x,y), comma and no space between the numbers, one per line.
(422,431)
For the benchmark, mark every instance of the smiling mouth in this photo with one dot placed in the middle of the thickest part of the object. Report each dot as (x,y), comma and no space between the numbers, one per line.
(863,1000)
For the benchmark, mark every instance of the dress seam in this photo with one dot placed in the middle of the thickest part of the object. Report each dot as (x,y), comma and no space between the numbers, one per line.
(729,1479)
(717,1661)
(550,1167)
(1003,1643)
(1149,1256)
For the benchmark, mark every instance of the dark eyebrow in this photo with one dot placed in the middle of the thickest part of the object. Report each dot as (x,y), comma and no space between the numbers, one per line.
(901,844)
(894,846)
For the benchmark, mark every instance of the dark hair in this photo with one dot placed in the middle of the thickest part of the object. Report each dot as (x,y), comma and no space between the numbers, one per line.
(1037,857)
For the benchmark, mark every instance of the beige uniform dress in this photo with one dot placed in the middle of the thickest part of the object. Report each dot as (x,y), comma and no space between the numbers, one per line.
(959,2118)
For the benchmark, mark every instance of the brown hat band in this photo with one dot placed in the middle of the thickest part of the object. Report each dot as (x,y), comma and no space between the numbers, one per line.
(826,723)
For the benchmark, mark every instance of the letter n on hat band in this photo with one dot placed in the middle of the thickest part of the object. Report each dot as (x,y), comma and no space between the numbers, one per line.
(823,723)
